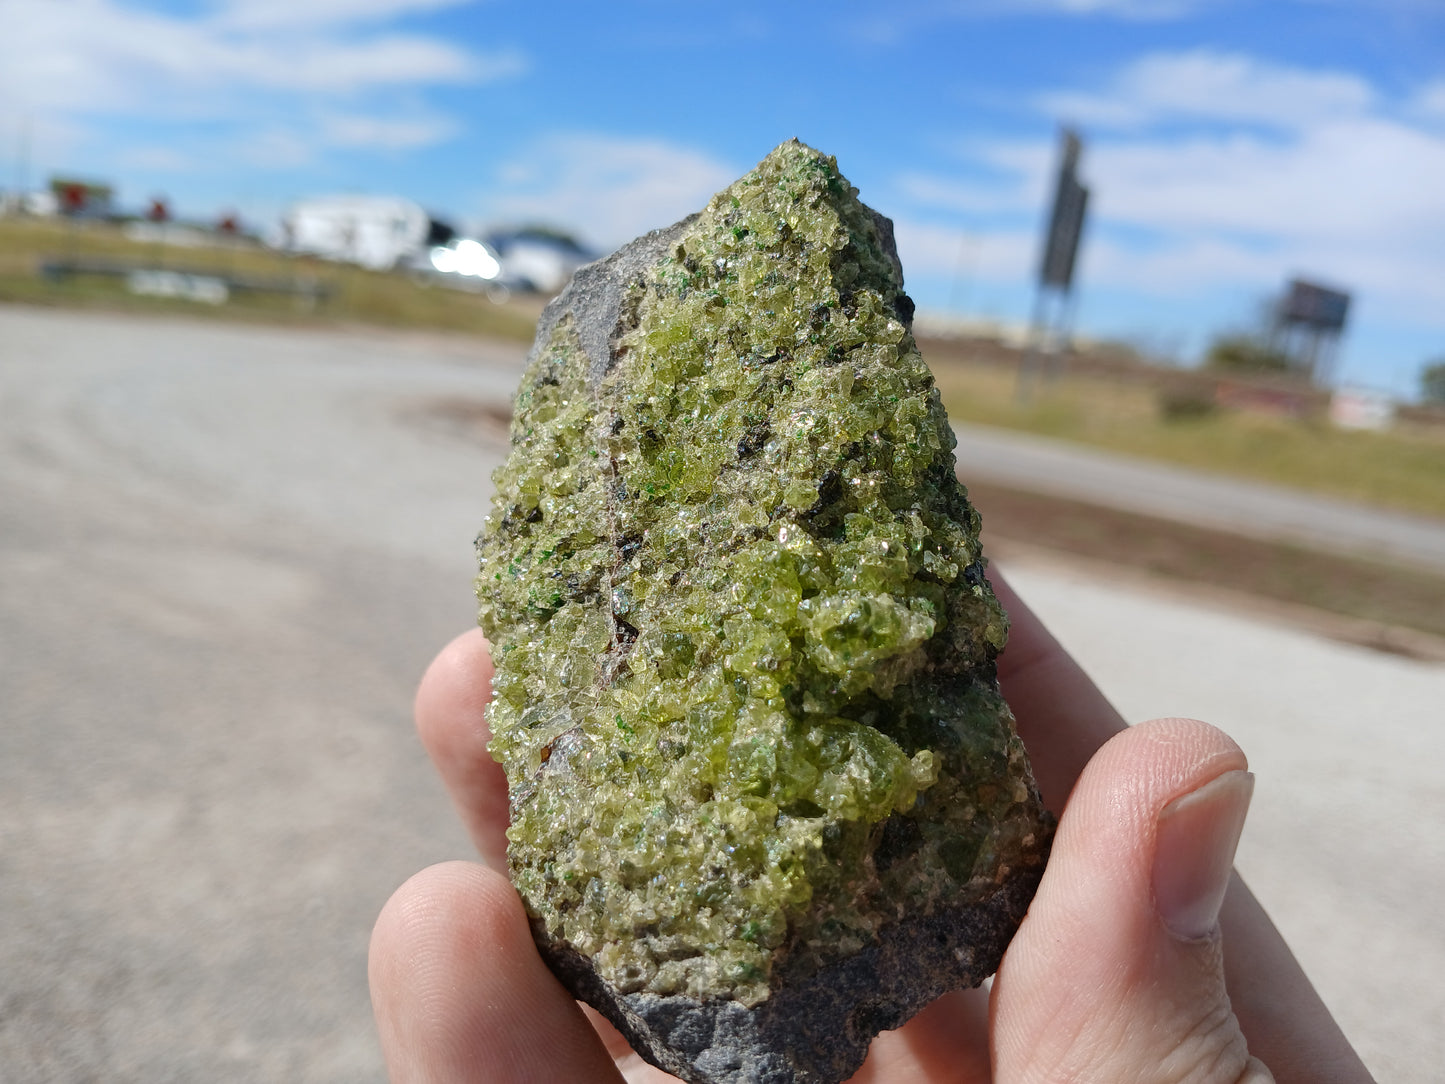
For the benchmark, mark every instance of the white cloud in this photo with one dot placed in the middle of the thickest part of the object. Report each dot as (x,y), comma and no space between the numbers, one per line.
(1368,180)
(275,148)
(609,188)
(344,68)
(1143,10)
(893,24)
(100,56)
(1431,100)
(158,159)
(1207,85)
(1214,172)
(944,193)
(386,133)
(274,82)
(270,14)
(931,248)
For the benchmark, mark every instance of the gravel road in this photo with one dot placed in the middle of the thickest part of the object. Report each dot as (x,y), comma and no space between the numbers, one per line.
(226,554)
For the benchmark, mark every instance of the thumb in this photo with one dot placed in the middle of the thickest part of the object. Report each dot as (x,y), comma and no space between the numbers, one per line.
(1117,973)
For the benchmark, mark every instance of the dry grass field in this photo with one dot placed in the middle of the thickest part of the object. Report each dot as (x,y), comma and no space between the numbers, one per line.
(348,295)
(1402,468)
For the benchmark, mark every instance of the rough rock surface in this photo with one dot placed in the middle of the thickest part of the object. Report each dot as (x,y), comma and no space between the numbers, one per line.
(767,799)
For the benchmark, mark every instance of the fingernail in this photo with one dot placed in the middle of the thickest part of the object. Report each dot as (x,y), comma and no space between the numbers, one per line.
(1194,853)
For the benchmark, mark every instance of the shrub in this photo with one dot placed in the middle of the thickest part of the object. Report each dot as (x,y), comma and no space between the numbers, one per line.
(1432,382)
(1245,354)
(1184,404)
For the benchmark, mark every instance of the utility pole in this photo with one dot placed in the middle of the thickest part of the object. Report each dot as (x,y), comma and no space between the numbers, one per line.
(22,163)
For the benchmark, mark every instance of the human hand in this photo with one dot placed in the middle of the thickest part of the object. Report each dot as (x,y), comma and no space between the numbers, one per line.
(1135,962)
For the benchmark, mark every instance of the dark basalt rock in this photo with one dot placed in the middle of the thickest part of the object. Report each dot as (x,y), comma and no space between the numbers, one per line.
(767,799)
(819,1029)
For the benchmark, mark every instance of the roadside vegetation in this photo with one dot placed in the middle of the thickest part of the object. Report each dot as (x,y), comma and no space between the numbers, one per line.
(1245,353)
(1432,382)
(1159,416)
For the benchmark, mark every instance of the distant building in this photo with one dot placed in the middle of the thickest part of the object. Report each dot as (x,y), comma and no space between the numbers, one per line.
(42,204)
(1361,408)
(373,231)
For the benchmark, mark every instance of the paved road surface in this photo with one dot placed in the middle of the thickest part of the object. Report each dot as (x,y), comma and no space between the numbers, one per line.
(227,553)
(1190,496)
(1343,844)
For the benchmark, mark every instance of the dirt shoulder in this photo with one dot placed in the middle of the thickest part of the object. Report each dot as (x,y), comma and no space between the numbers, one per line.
(1384,606)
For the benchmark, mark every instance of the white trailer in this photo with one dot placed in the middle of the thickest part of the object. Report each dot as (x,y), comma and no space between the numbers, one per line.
(373,231)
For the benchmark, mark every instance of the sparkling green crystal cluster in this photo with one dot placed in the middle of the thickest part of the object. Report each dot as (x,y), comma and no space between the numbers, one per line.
(745,692)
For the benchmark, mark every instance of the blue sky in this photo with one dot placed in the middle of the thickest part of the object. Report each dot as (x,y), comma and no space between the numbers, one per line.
(1229,144)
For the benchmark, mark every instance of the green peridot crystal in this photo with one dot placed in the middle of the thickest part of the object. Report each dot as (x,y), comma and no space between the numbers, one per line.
(745,684)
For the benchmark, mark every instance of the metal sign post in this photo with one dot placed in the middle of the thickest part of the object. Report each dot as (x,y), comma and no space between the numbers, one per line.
(158,214)
(1051,327)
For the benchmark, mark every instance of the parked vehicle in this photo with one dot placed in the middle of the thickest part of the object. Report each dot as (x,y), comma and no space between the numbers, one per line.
(463,263)
(538,259)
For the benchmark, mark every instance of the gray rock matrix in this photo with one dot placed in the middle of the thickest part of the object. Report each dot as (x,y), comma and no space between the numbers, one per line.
(817,1031)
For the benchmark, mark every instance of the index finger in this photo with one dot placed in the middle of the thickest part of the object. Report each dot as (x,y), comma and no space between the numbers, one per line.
(451,718)
(1062,717)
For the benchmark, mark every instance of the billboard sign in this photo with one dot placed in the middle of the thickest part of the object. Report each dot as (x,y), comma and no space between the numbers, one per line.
(1066,222)
(1315,306)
